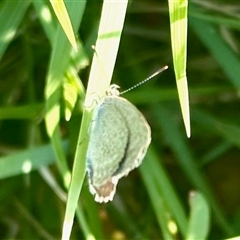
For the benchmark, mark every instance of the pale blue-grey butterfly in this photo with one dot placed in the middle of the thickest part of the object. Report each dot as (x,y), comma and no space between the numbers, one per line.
(119,138)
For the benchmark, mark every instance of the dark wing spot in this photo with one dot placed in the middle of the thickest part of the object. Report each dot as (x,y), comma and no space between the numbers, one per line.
(106,189)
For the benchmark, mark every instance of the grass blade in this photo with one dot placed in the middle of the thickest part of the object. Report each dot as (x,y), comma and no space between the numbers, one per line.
(111,24)
(62,15)
(28,160)
(11,14)
(223,54)
(163,196)
(199,217)
(189,166)
(178,21)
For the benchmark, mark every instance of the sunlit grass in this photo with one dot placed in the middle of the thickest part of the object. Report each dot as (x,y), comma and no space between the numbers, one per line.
(182,181)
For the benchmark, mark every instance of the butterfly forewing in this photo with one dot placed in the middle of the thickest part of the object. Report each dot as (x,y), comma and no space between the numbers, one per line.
(108,140)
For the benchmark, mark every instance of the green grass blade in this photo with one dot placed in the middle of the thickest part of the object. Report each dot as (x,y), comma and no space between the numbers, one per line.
(159,205)
(11,14)
(58,67)
(223,54)
(227,131)
(188,164)
(62,15)
(215,19)
(72,88)
(111,24)
(45,16)
(199,217)
(33,111)
(28,160)
(234,238)
(161,190)
(178,20)
(61,69)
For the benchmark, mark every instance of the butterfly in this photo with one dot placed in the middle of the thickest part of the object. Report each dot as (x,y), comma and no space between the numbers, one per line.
(119,139)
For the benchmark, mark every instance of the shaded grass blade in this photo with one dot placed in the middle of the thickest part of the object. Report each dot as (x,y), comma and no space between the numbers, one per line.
(28,160)
(188,164)
(227,131)
(32,111)
(223,54)
(163,196)
(11,14)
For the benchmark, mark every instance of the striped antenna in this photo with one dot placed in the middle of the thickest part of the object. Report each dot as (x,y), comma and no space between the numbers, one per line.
(145,80)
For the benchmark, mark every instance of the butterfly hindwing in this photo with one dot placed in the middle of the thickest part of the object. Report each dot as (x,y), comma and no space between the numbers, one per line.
(139,134)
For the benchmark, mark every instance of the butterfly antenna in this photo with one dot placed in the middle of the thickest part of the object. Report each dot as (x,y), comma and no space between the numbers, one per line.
(145,80)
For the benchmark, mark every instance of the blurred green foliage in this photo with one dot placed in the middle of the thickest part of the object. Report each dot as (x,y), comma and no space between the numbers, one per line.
(152,203)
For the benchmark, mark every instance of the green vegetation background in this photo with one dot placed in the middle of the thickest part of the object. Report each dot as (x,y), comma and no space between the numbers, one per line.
(154,199)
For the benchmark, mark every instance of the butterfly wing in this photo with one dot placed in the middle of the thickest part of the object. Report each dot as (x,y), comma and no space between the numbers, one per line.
(108,141)
(119,139)
(139,135)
